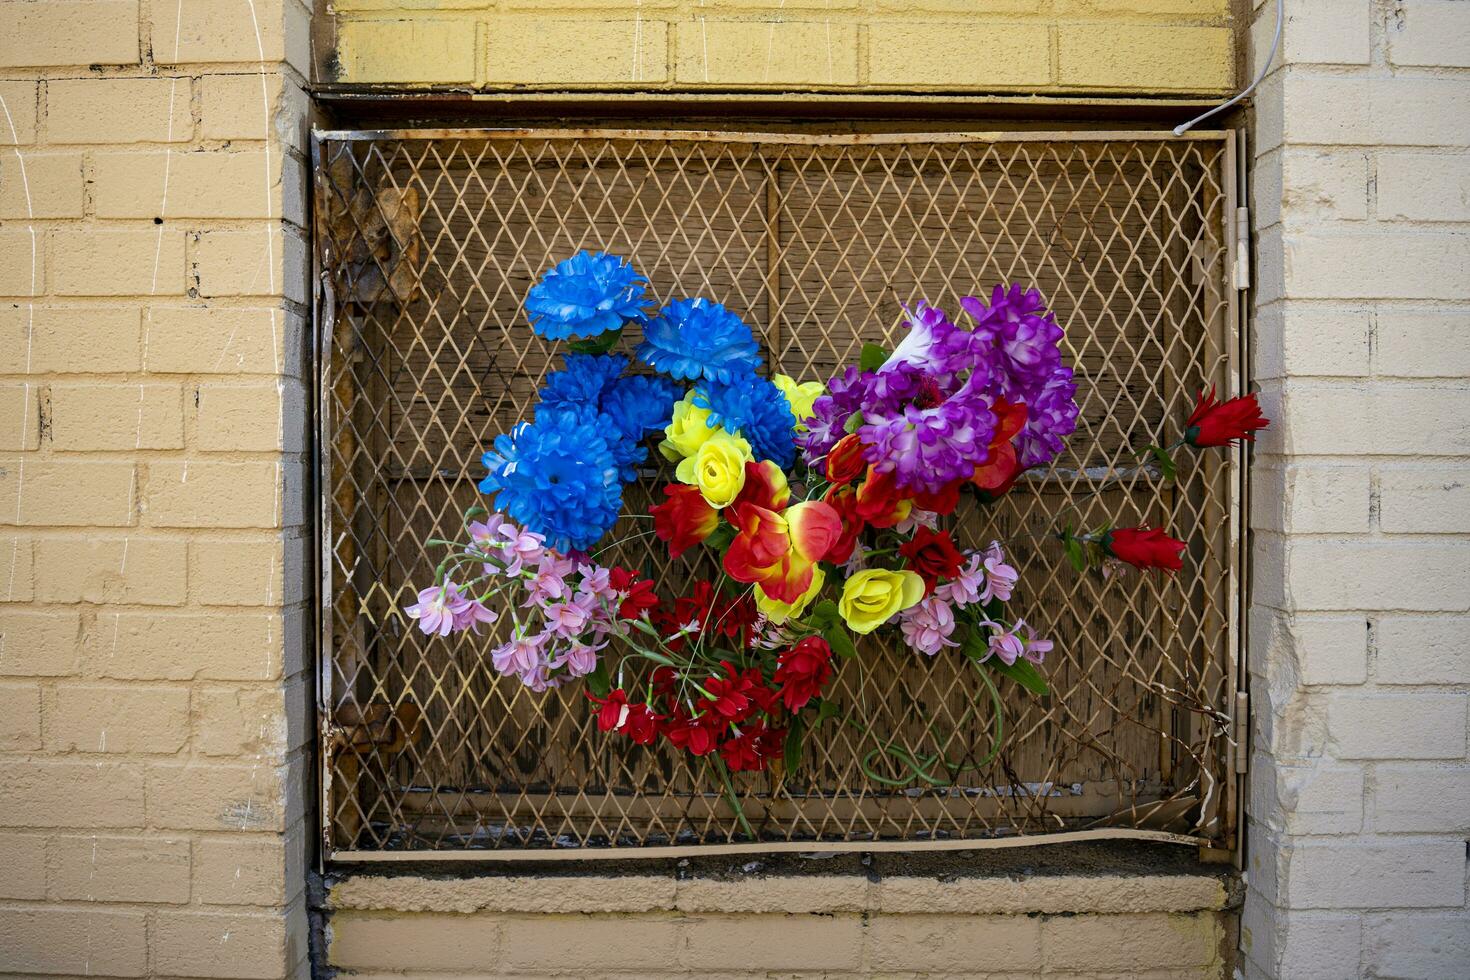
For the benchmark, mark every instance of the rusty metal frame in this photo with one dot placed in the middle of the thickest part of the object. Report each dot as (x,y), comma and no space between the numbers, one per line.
(373,728)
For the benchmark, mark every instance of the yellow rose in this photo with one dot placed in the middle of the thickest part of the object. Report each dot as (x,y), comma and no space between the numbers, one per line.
(800,397)
(779,612)
(717,468)
(687,430)
(870,598)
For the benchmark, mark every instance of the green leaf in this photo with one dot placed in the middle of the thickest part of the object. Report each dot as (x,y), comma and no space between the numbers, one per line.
(720,538)
(1167,466)
(1076,554)
(1023,672)
(872,357)
(600,344)
(791,751)
(599,682)
(474,512)
(839,641)
(853,423)
(826,710)
(824,615)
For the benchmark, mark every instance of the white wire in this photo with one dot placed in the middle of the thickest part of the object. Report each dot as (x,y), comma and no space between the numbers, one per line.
(1181,129)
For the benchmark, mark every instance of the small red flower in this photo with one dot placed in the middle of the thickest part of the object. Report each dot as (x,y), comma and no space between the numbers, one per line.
(880,502)
(730,695)
(1144,547)
(742,753)
(684,519)
(803,671)
(694,735)
(717,616)
(933,555)
(845,462)
(638,597)
(614,710)
(1216,423)
(766,698)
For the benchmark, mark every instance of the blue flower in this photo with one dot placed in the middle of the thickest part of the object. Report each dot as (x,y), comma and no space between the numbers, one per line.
(757,409)
(585,295)
(640,404)
(694,338)
(557,476)
(584,379)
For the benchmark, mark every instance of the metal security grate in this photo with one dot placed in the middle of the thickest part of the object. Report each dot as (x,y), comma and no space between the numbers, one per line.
(427,243)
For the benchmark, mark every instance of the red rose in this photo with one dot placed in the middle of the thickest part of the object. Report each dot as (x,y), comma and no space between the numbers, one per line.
(933,555)
(845,462)
(844,500)
(1144,547)
(684,519)
(638,597)
(803,671)
(1214,423)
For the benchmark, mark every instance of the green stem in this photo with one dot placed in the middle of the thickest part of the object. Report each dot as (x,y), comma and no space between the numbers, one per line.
(719,765)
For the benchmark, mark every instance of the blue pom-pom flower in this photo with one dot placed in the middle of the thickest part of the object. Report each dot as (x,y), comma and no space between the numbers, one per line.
(756,408)
(557,476)
(584,379)
(585,295)
(694,339)
(640,404)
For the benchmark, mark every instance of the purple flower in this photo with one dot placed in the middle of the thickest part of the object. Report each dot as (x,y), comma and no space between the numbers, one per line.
(519,548)
(580,659)
(927,626)
(1050,414)
(1018,325)
(439,609)
(568,619)
(933,344)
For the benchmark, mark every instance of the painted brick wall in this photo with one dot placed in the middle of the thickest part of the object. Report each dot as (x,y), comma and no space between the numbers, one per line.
(153,704)
(1360,800)
(1029,46)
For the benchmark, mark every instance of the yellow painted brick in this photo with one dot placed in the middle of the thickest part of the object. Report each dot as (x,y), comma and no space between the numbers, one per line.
(160,646)
(198,796)
(406,49)
(242,722)
(119,869)
(20,416)
(1118,8)
(254,869)
(213,494)
(68,32)
(773,942)
(461,942)
(1144,58)
(258,571)
(52,188)
(146,571)
(90,262)
(71,794)
(83,943)
(113,718)
(258,262)
(25,866)
(201,944)
(959,55)
(68,493)
(85,340)
(936,942)
(787,52)
(109,416)
(258,417)
(20,719)
(17,569)
(610,52)
(227,31)
(207,340)
(24,274)
(119,110)
(18,121)
(250,107)
(40,643)
(1131,943)
(201,184)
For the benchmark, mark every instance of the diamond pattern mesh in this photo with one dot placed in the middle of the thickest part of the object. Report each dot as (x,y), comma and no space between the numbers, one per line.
(429,244)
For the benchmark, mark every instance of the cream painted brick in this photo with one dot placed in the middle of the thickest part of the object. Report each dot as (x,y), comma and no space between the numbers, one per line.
(40,643)
(1389,419)
(386,942)
(1335,109)
(25,866)
(1324,649)
(17,569)
(1317,798)
(1421,799)
(189,944)
(1126,942)
(202,184)
(404,49)
(1407,265)
(196,796)
(1133,56)
(1398,726)
(20,101)
(52,187)
(1426,944)
(119,869)
(214,31)
(257,869)
(1333,574)
(146,571)
(767,53)
(99,416)
(1319,31)
(1328,183)
(759,943)
(630,942)
(90,111)
(1310,499)
(1013,54)
(1424,186)
(82,943)
(259,417)
(20,416)
(113,718)
(239,107)
(208,340)
(1423,344)
(1346,875)
(25,274)
(258,571)
(1423,650)
(214,495)
(20,718)
(90,262)
(243,722)
(1425,500)
(72,494)
(938,942)
(1435,33)
(70,794)
(68,32)
(211,646)
(600,51)
(84,340)
(245,263)
(1321,947)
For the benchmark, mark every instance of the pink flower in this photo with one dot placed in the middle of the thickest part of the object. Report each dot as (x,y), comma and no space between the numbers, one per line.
(549,584)
(473,614)
(964,588)
(439,609)
(1036,647)
(1004,644)
(1000,578)
(539,679)
(484,535)
(927,626)
(579,660)
(520,548)
(596,582)
(918,518)
(568,619)
(519,655)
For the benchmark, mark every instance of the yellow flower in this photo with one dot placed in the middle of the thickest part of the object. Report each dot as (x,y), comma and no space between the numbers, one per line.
(717,468)
(687,431)
(779,612)
(870,598)
(799,396)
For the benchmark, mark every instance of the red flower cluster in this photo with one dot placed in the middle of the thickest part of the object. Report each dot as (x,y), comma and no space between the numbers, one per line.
(803,671)
(1216,423)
